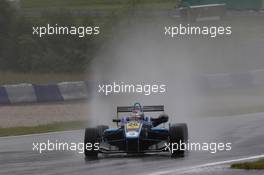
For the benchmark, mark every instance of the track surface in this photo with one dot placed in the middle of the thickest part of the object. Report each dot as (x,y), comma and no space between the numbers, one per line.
(245,132)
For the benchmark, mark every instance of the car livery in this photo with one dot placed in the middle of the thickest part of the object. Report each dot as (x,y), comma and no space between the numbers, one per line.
(136,133)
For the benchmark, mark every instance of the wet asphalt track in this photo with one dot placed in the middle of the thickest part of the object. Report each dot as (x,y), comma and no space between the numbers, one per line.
(245,132)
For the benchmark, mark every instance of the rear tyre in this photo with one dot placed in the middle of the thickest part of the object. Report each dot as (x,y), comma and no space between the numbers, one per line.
(91,137)
(178,134)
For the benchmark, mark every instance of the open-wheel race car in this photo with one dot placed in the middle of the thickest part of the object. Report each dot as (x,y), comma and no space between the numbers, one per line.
(137,133)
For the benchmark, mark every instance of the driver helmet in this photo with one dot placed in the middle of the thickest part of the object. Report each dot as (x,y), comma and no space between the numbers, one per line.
(137,114)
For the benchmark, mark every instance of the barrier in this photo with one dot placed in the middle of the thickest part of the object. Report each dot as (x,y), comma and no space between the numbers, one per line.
(3,96)
(21,93)
(64,91)
(47,93)
(73,90)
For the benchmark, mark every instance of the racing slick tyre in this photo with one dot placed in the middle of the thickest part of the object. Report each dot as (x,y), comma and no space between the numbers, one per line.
(101,129)
(91,137)
(178,134)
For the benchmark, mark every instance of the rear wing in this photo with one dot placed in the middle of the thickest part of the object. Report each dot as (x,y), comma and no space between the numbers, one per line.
(158,108)
(144,108)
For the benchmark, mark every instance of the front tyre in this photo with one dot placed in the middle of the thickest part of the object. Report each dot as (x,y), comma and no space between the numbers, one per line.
(101,129)
(91,137)
(178,134)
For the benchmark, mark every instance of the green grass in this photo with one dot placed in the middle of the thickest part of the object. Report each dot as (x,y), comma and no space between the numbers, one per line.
(56,126)
(256,165)
(38,78)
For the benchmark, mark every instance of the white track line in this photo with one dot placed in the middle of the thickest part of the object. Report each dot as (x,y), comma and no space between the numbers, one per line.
(207,165)
(40,134)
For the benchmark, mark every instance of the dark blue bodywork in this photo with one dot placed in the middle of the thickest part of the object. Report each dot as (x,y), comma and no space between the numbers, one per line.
(134,135)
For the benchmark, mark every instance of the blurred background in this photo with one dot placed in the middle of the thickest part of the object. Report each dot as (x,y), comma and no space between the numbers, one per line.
(204,76)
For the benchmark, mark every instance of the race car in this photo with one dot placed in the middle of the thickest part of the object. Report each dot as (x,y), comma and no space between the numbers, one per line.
(137,133)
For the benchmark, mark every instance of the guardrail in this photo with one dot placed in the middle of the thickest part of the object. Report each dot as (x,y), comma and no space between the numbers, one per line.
(234,80)
(30,93)
(81,90)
